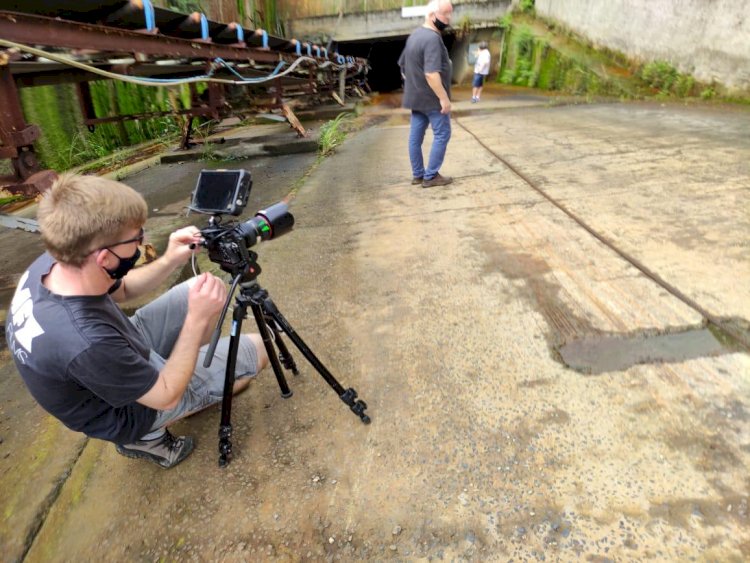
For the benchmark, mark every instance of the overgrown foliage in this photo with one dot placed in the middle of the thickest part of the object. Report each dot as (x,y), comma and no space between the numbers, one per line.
(66,143)
(521,51)
(544,54)
(665,78)
(526,6)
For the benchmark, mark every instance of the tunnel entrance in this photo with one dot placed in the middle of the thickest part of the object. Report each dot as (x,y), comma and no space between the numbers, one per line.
(383,54)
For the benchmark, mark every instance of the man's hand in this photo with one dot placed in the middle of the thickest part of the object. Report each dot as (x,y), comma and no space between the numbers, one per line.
(179,246)
(445,106)
(205,302)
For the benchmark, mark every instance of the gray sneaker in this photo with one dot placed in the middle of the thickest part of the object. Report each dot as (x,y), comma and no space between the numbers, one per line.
(166,451)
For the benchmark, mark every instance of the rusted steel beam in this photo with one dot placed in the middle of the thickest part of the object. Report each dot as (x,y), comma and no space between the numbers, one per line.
(195,112)
(38,30)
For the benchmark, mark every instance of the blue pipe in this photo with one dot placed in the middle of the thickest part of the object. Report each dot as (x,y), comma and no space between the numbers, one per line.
(309,50)
(148,10)
(317,51)
(240,33)
(299,48)
(265,39)
(204,27)
(325,52)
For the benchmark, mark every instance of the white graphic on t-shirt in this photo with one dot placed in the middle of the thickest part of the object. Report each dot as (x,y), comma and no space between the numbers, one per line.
(25,327)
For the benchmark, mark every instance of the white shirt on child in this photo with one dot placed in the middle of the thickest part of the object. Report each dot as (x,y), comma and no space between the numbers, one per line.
(482,66)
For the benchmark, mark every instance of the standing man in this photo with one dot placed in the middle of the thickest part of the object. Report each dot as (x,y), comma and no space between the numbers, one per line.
(426,69)
(119,379)
(481,70)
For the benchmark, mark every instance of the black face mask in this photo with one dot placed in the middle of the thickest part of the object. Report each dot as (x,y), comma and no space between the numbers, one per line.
(125,265)
(439,25)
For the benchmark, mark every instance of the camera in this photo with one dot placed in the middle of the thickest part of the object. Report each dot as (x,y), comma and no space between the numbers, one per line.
(226,192)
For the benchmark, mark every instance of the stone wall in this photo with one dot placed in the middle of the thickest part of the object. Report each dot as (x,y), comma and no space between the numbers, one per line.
(709,39)
(389,23)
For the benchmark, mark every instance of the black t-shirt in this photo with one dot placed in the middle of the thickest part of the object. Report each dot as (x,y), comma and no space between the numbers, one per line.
(81,358)
(424,52)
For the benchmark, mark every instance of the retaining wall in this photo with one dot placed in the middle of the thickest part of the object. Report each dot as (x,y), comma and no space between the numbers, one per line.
(709,39)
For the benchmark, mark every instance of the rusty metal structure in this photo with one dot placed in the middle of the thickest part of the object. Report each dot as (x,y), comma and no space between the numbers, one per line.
(44,42)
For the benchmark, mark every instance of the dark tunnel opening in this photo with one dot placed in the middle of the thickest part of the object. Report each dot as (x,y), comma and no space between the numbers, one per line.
(383,54)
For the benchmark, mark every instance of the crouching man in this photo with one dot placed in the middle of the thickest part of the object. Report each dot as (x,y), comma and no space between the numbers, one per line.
(111,377)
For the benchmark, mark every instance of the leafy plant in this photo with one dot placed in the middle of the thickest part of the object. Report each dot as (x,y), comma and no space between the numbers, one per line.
(660,75)
(332,134)
(527,6)
(708,93)
(505,22)
(508,76)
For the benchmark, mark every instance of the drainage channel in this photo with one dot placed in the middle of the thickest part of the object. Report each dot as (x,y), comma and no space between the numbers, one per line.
(741,339)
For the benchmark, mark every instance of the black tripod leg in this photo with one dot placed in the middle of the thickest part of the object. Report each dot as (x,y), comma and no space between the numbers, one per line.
(349,396)
(268,343)
(225,427)
(285,357)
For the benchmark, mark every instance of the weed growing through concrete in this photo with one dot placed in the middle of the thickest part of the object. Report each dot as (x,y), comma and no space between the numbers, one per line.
(332,134)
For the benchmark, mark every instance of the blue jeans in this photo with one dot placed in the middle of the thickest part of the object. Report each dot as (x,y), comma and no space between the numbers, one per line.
(441,130)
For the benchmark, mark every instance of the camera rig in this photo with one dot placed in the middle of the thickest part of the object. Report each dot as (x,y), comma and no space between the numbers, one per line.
(228,245)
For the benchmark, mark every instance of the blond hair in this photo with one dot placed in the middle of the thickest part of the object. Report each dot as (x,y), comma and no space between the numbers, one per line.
(79,214)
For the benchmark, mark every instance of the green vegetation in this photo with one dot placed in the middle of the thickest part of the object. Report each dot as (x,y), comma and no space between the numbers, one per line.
(66,143)
(10,199)
(527,6)
(663,77)
(546,55)
(332,134)
(464,26)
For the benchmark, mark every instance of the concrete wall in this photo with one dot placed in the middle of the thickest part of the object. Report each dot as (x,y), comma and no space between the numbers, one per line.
(708,38)
(388,23)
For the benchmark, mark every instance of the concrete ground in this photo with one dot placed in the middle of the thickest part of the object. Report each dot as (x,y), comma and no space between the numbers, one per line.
(447,309)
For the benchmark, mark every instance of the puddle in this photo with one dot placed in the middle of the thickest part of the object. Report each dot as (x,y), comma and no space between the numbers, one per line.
(595,355)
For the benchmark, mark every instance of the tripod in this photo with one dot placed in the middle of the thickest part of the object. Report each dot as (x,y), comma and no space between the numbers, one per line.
(271,323)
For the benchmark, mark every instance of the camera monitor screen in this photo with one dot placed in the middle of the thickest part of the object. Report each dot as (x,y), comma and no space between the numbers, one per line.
(221,191)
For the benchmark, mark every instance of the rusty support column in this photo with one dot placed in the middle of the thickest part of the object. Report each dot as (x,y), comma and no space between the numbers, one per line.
(342,84)
(216,99)
(17,137)
(277,99)
(86,102)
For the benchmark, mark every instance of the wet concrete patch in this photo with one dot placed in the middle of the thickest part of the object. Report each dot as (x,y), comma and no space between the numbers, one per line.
(599,354)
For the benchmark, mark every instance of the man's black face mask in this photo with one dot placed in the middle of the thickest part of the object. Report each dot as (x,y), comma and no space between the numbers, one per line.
(125,265)
(439,25)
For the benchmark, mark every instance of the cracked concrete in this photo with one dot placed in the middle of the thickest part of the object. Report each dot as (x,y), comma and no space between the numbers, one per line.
(444,308)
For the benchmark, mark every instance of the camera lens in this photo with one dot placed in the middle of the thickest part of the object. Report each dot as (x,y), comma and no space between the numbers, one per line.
(267,224)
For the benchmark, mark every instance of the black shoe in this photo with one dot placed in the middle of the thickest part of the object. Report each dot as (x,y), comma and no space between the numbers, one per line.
(166,450)
(437,180)
(416,181)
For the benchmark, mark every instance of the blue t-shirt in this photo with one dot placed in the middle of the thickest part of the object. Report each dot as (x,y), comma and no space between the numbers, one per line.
(81,358)
(424,52)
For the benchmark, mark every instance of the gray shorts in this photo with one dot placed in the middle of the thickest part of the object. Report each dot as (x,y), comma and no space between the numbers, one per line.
(160,323)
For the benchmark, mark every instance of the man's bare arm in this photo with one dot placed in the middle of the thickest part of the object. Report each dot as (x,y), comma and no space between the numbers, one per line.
(148,277)
(205,301)
(436,84)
